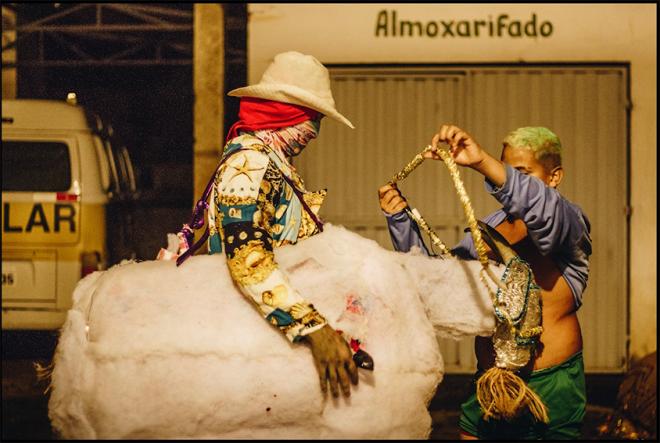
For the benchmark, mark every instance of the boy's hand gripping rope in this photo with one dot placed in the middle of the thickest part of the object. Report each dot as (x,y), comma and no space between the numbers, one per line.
(467,208)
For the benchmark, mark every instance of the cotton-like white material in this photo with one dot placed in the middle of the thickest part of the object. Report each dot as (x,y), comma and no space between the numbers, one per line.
(180,353)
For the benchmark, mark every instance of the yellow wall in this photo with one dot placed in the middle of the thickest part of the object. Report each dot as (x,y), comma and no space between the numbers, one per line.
(346,33)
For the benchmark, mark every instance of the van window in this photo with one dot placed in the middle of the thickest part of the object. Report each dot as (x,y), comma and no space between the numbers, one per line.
(35,166)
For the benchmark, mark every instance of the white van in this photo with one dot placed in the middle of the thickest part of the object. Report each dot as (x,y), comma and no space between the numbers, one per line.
(59,172)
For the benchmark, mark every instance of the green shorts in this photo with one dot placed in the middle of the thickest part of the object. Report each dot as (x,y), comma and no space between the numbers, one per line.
(561,388)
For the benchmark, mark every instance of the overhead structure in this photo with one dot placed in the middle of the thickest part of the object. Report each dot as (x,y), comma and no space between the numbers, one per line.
(103,34)
(8,56)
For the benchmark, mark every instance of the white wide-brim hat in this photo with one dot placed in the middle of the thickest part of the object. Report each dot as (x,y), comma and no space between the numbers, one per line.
(298,79)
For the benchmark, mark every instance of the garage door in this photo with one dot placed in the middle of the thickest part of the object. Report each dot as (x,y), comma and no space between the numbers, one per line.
(397,110)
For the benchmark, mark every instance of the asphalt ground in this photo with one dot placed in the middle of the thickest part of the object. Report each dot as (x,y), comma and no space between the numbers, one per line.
(25,405)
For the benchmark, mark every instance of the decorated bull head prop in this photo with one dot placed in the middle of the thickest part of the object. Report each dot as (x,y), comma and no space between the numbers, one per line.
(501,393)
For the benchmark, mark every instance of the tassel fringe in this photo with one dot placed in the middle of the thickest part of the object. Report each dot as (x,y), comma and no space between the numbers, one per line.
(504,395)
(45,373)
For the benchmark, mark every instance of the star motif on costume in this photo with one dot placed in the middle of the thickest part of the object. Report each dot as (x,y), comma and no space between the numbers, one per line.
(244,169)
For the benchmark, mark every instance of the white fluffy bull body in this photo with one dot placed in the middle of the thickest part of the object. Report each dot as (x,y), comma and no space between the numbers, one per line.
(179,352)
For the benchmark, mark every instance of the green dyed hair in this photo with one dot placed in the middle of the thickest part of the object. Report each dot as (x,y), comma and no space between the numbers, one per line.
(541,141)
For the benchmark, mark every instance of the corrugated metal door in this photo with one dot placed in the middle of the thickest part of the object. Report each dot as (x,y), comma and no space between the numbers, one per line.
(397,111)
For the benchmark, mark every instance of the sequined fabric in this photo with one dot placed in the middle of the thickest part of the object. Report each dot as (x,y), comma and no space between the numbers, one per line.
(518,310)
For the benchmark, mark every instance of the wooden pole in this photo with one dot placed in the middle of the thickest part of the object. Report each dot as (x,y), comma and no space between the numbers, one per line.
(208,87)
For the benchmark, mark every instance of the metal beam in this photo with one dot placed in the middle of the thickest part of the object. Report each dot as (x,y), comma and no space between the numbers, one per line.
(64,43)
(163,11)
(79,63)
(175,27)
(60,14)
(129,10)
(83,29)
(128,51)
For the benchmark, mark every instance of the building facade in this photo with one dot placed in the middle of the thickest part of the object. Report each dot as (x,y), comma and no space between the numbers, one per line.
(587,71)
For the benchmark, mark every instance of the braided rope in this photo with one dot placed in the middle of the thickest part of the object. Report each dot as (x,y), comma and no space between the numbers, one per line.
(465,201)
(500,392)
(469,214)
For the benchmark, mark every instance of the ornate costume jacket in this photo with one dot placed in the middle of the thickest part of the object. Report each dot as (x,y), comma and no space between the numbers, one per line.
(255,209)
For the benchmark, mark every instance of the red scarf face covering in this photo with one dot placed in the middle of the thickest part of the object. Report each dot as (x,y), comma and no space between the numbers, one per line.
(256,113)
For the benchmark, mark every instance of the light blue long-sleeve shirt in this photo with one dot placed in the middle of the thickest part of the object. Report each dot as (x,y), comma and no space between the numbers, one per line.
(557,227)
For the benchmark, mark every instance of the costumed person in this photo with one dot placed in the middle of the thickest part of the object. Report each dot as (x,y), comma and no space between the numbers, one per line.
(258,202)
(552,235)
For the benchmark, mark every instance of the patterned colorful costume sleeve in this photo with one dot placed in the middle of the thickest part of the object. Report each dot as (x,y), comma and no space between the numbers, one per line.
(247,194)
